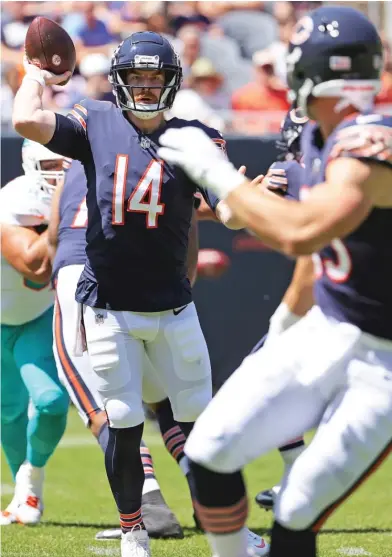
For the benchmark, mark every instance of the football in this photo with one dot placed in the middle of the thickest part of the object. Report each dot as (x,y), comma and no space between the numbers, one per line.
(49,47)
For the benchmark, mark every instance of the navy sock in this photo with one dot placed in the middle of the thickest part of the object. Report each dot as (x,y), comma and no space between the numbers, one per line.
(125,473)
(292,542)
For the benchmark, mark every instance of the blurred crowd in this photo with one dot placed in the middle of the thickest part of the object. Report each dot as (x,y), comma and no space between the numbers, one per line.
(232,54)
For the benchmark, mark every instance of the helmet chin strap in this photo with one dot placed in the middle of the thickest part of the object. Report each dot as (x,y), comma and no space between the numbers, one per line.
(146,115)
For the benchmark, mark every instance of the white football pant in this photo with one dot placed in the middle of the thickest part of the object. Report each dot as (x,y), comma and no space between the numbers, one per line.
(118,342)
(319,373)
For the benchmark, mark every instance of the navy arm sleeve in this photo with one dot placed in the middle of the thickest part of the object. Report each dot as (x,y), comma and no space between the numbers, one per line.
(69,139)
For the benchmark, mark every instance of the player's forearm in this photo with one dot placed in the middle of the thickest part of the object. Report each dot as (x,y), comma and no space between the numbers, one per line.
(28,255)
(299,295)
(28,117)
(226,217)
(264,215)
(37,262)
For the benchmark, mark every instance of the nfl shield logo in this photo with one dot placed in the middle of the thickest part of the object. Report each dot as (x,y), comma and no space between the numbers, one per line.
(99,318)
(145,143)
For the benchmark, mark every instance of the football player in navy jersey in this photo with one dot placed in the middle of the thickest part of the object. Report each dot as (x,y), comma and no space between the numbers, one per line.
(134,294)
(67,241)
(333,369)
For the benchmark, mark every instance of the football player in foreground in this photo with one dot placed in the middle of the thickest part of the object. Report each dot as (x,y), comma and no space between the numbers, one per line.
(134,294)
(333,369)
(28,369)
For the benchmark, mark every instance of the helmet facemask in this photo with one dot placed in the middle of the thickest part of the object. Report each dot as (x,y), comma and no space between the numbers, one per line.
(34,156)
(126,94)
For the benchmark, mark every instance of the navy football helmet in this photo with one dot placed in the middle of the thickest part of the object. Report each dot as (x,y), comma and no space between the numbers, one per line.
(290,135)
(335,51)
(145,51)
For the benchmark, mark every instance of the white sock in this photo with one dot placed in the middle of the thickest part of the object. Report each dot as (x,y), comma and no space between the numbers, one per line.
(184,465)
(290,455)
(150,484)
(229,545)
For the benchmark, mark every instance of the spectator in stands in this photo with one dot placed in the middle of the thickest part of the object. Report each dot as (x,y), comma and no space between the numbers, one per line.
(93,35)
(189,50)
(125,19)
(182,14)
(385,95)
(14,24)
(284,14)
(95,69)
(10,83)
(266,92)
(209,84)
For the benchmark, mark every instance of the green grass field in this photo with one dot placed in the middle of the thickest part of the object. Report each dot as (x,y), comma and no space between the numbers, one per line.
(78,504)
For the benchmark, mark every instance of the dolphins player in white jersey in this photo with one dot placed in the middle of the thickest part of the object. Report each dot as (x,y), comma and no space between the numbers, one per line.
(27,364)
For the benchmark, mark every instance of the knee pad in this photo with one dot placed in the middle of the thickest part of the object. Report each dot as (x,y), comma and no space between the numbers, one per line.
(191,361)
(124,413)
(215,451)
(52,401)
(296,510)
(190,403)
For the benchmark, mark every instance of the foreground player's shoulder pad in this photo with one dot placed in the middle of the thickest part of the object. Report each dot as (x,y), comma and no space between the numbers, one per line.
(368,136)
(215,135)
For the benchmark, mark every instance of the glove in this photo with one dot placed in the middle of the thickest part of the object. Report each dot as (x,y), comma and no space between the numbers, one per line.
(43,77)
(276,180)
(191,149)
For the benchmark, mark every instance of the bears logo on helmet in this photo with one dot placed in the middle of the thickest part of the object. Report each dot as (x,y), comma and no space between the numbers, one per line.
(335,51)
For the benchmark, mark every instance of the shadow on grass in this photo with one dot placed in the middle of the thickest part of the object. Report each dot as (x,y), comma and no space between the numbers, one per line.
(189,531)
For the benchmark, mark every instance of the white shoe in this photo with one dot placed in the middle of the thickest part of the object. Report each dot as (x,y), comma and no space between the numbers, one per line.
(28,489)
(135,543)
(257,546)
(8,516)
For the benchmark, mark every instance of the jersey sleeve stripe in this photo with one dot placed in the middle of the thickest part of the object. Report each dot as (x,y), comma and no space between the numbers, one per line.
(81,108)
(79,118)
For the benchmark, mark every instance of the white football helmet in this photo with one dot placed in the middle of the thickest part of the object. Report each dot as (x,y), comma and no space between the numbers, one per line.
(32,155)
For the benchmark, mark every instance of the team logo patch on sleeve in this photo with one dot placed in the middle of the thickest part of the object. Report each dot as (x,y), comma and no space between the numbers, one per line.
(367,141)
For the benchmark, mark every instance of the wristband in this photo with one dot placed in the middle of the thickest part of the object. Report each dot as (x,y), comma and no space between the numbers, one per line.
(282,320)
(36,77)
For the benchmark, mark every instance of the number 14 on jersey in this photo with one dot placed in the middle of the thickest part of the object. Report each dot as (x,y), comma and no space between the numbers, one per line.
(145,198)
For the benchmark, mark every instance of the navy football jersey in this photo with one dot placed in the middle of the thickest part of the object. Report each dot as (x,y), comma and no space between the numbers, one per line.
(139,210)
(354,274)
(290,184)
(71,249)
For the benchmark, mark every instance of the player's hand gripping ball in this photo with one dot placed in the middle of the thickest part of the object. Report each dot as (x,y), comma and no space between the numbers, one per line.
(49,47)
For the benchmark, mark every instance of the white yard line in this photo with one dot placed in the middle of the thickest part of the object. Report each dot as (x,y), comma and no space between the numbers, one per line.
(106,551)
(352,551)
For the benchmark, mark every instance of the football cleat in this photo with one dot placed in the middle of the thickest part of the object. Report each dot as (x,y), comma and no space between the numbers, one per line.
(257,546)
(265,499)
(27,506)
(135,543)
(158,519)
(8,516)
